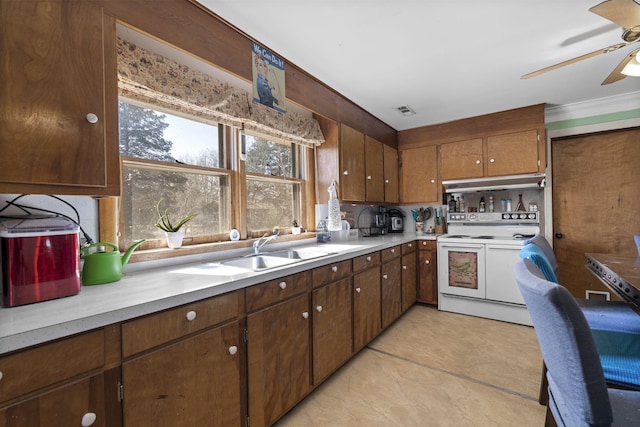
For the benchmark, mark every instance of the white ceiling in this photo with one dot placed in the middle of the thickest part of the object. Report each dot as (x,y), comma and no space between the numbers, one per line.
(445,59)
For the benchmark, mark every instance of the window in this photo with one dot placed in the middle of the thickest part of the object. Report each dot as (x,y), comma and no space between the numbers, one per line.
(273,184)
(171,163)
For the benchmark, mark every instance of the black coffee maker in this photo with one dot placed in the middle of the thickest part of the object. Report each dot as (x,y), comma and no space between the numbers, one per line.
(395,221)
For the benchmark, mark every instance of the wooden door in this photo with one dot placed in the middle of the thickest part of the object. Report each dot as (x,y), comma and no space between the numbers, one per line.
(461,159)
(391,189)
(374,170)
(366,307)
(279,358)
(512,154)
(391,291)
(409,274)
(194,382)
(332,328)
(427,279)
(61,407)
(352,182)
(596,188)
(419,175)
(53,79)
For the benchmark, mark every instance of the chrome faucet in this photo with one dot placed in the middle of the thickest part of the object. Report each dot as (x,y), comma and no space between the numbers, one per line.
(258,244)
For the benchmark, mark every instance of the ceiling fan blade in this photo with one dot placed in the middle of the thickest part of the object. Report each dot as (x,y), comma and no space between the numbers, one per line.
(625,13)
(574,60)
(616,74)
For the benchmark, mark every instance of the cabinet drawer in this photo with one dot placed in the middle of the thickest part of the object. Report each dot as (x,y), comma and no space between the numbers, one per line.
(409,247)
(427,245)
(390,253)
(331,273)
(267,293)
(30,370)
(365,261)
(147,332)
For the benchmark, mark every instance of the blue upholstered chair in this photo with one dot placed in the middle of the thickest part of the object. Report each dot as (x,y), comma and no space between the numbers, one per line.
(578,394)
(637,239)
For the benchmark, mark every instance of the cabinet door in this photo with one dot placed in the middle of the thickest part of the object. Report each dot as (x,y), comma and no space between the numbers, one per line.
(374,170)
(194,382)
(351,165)
(512,154)
(279,357)
(409,274)
(501,280)
(391,291)
(366,307)
(461,159)
(56,72)
(391,189)
(427,281)
(332,328)
(419,175)
(71,405)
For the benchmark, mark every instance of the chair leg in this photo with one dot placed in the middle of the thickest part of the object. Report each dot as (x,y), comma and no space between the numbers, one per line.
(543,396)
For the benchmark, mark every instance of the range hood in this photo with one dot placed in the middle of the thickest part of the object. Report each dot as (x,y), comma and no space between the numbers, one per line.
(497,183)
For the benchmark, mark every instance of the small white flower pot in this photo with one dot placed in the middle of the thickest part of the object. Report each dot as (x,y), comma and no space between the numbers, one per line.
(296,230)
(174,239)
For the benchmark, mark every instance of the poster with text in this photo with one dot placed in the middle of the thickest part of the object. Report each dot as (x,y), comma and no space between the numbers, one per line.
(268,78)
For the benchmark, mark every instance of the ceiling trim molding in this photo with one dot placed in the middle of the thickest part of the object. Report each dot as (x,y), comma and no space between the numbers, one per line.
(593,107)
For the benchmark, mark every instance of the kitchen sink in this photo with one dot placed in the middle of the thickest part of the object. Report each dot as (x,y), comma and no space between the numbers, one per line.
(300,254)
(259,262)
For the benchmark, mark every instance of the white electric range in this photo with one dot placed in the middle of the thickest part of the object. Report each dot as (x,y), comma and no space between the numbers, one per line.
(476,261)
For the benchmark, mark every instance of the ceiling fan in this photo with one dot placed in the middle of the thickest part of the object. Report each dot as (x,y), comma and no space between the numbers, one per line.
(625,13)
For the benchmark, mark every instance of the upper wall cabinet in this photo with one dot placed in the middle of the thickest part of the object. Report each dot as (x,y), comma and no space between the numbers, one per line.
(419,175)
(390,174)
(352,164)
(496,155)
(374,170)
(58,128)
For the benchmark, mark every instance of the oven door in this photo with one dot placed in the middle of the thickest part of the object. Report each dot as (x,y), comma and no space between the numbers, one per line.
(461,269)
(501,279)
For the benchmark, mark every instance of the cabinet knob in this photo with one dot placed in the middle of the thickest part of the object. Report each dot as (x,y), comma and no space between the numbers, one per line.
(369,258)
(404,267)
(233,350)
(410,245)
(283,285)
(358,290)
(92,118)
(88,419)
(369,177)
(319,308)
(191,315)
(0,375)
(345,173)
(386,181)
(334,268)
(477,162)
(426,261)
(492,160)
(305,314)
(424,243)
(433,181)
(393,250)
(384,276)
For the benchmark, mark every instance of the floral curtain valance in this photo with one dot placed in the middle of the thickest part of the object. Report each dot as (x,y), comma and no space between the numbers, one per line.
(149,77)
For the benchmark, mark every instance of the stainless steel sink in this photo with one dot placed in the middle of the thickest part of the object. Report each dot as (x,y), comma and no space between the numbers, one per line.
(259,262)
(300,254)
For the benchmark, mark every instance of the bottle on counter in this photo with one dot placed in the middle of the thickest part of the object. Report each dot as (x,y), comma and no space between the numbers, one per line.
(452,204)
(462,206)
(482,206)
(458,204)
(508,205)
(490,203)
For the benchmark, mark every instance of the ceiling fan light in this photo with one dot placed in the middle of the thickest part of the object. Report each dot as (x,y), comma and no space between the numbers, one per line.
(632,68)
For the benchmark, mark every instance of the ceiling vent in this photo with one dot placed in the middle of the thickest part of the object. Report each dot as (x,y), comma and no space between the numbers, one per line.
(406,110)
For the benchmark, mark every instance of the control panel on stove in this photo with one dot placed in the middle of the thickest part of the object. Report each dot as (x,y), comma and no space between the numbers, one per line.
(503,217)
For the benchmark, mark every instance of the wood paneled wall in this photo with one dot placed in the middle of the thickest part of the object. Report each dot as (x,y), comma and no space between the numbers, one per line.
(189,27)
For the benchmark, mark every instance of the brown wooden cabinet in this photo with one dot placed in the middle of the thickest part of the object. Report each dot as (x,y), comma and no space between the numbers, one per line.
(427,272)
(366,299)
(409,275)
(374,170)
(391,178)
(419,175)
(58,384)
(180,368)
(495,155)
(58,128)
(352,165)
(391,285)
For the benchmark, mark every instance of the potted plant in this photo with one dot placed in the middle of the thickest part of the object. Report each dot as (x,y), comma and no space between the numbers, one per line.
(172,231)
(296,229)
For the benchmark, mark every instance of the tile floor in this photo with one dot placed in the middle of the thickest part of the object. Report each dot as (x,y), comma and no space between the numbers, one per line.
(433,368)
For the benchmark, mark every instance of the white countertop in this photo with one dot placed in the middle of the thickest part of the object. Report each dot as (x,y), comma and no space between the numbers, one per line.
(147,291)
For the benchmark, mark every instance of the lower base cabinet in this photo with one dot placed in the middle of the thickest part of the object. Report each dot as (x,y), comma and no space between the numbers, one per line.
(409,276)
(366,307)
(194,382)
(279,359)
(391,289)
(427,272)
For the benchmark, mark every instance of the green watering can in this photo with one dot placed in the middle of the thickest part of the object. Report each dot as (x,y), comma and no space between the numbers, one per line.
(105,266)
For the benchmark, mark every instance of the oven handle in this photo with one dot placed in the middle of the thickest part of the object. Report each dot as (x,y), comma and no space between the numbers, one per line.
(461,245)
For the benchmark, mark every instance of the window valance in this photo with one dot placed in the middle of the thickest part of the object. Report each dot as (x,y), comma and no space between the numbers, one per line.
(150,77)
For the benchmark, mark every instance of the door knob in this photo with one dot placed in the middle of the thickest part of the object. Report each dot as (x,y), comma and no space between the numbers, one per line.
(559,235)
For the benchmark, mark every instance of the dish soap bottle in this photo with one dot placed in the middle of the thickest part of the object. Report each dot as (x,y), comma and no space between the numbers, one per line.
(482,205)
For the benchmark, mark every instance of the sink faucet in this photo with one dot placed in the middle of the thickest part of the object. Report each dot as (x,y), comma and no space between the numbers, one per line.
(258,244)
